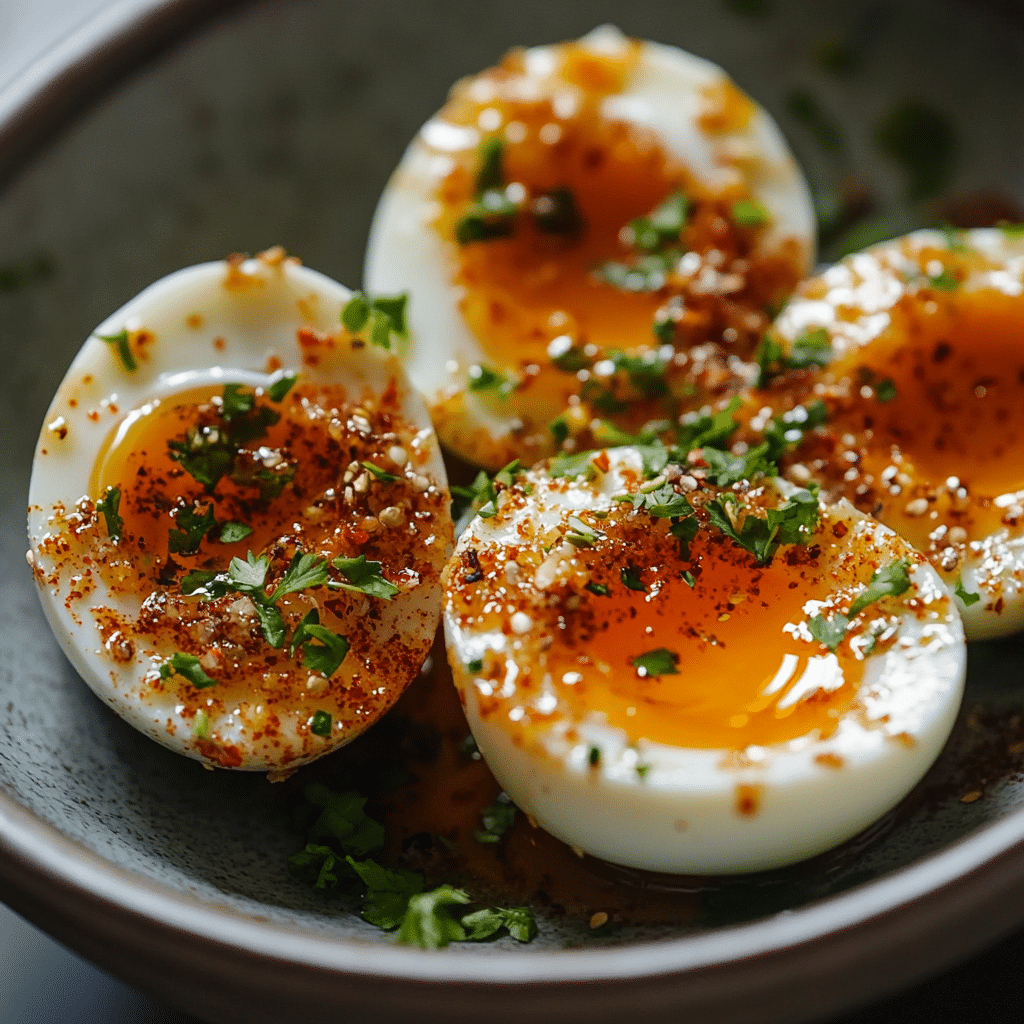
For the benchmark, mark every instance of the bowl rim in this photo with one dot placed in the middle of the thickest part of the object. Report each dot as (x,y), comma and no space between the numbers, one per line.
(971,891)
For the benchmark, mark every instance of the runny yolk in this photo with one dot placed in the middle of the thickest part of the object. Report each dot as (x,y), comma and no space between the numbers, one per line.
(948,441)
(740,677)
(712,666)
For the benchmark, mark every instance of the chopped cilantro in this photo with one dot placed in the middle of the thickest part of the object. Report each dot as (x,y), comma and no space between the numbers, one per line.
(791,523)
(381,474)
(187,666)
(659,662)
(519,922)
(688,579)
(490,172)
(306,570)
(726,469)
(569,358)
(580,535)
(427,922)
(642,770)
(497,819)
(201,725)
(321,723)
(662,225)
(646,372)
(108,506)
(570,465)
(388,892)
(379,319)
(191,528)
(556,213)
(710,430)
(597,588)
(236,402)
(966,596)
(476,665)
(891,580)
(944,281)
(829,632)
(483,378)
(686,530)
(749,214)
(885,390)
(325,655)
(811,348)
(594,757)
(559,428)
(341,818)
(122,347)
(363,577)
(277,391)
(631,578)
(231,533)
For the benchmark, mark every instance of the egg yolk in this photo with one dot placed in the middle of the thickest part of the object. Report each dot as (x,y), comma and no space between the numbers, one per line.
(925,426)
(220,514)
(705,651)
(569,278)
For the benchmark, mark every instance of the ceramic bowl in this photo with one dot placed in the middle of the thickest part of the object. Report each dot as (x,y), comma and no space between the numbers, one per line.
(163,136)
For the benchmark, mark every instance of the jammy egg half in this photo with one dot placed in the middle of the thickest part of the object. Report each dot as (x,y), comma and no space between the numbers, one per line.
(683,678)
(595,233)
(238,513)
(912,350)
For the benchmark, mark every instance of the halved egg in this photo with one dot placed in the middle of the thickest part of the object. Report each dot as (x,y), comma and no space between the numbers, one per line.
(914,347)
(238,514)
(596,233)
(681,678)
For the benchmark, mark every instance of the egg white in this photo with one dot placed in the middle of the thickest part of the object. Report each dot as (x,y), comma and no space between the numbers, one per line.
(853,301)
(665,93)
(206,331)
(681,815)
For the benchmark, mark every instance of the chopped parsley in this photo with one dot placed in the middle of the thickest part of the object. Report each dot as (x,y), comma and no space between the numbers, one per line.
(689,580)
(749,214)
(381,474)
(231,533)
(965,595)
(631,578)
(556,213)
(122,347)
(191,527)
(336,857)
(659,662)
(379,319)
(363,577)
(209,452)
(108,506)
(791,523)
(497,819)
(571,465)
(483,378)
(594,756)
(944,281)
(481,495)
(321,724)
(811,348)
(280,388)
(885,390)
(656,240)
(597,588)
(580,535)
(322,650)
(187,666)
(892,580)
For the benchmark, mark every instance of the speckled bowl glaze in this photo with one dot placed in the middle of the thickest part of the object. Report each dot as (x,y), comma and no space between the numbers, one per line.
(279,123)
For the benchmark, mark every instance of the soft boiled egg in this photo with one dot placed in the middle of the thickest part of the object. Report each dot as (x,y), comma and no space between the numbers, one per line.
(680,678)
(594,232)
(914,347)
(239,515)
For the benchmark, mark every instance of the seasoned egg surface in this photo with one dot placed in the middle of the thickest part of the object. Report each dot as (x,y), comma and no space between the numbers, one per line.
(914,347)
(680,678)
(238,514)
(594,233)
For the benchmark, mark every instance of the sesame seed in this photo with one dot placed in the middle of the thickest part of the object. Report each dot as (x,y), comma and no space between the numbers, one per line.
(397,454)
(392,516)
(521,623)
(917,507)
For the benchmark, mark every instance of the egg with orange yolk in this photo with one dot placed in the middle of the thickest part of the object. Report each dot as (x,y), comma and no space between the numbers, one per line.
(593,232)
(680,679)
(923,384)
(238,516)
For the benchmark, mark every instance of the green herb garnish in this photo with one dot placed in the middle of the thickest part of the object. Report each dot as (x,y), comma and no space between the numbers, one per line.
(122,346)
(191,527)
(659,662)
(631,578)
(280,388)
(108,505)
(885,390)
(791,523)
(380,319)
(187,666)
(321,723)
(497,819)
(381,474)
(966,596)
(749,214)
(363,577)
